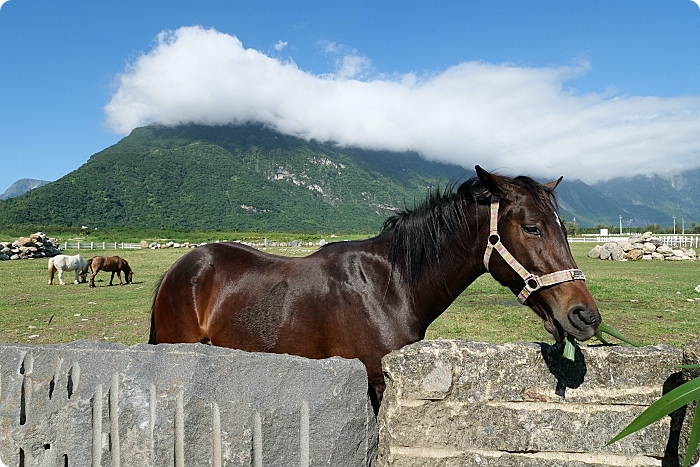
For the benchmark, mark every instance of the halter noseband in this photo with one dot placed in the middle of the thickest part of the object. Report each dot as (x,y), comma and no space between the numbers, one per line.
(532,281)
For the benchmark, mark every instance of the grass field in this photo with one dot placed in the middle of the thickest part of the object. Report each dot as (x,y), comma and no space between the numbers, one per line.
(650,302)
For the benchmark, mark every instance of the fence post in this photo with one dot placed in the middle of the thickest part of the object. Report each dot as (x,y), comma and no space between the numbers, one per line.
(78,245)
(92,245)
(122,245)
(103,245)
(115,245)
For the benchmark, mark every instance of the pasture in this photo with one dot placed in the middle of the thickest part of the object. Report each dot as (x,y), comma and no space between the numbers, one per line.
(650,302)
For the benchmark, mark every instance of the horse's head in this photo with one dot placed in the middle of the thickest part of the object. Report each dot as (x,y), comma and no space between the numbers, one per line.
(533,258)
(128,273)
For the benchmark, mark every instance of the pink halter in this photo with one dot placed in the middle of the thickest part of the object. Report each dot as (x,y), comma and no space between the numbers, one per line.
(532,282)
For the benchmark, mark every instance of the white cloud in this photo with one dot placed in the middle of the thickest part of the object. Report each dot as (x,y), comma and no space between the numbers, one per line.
(501,116)
(280,45)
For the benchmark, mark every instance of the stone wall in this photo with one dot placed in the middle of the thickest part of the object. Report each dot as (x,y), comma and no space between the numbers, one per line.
(457,403)
(448,403)
(92,404)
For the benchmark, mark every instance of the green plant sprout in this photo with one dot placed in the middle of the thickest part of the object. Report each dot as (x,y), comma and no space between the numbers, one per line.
(673,400)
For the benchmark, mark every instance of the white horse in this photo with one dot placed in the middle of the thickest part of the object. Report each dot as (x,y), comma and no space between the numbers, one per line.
(67,263)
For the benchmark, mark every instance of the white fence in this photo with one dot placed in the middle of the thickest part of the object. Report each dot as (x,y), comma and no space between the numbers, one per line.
(98,245)
(688,241)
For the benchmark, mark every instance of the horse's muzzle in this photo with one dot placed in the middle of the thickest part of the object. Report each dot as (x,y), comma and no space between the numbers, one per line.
(585,321)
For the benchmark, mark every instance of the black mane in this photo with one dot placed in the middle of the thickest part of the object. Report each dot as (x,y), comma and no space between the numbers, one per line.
(418,233)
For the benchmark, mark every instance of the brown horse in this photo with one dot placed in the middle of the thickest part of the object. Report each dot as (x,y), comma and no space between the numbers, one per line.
(363,299)
(113,264)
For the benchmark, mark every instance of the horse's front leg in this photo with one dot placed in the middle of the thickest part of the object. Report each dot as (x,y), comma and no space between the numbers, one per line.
(119,275)
(60,277)
(77,275)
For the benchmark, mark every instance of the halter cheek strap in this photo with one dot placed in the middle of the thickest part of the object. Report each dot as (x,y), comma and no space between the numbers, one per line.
(532,281)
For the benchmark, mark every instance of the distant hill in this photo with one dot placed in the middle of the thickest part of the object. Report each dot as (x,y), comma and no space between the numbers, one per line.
(252,178)
(230,177)
(655,199)
(22,186)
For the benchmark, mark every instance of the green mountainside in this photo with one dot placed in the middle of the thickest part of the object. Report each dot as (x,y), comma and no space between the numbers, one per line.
(230,177)
(249,178)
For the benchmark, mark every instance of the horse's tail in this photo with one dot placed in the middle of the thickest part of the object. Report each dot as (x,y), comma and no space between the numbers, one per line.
(152,334)
(52,270)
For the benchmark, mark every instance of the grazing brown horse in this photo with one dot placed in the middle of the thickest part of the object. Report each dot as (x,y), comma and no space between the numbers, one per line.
(113,264)
(363,299)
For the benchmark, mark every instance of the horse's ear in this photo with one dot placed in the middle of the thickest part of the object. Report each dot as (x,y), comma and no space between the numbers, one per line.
(552,185)
(495,184)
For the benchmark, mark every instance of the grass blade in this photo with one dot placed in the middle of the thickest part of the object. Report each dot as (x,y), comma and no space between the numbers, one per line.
(694,436)
(682,395)
(608,330)
(569,349)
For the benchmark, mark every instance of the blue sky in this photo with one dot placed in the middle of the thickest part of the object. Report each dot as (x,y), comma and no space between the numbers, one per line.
(588,90)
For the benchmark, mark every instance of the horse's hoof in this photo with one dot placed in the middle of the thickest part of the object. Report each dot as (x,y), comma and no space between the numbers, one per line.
(76,282)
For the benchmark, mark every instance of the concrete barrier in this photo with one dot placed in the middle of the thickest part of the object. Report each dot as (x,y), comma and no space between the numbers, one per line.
(93,404)
(455,403)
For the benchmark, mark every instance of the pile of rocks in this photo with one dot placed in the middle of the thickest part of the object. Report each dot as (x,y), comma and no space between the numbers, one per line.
(156,245)
(644,246)
(36,246)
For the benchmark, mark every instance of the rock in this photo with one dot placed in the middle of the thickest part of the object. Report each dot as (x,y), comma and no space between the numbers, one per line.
(144,244)
(647,257)
(626,246)
(678,253)
(656,241)
(23,242)
(665,250)
(4,257)
(605,253)
(673,258)
(634,255)
(617,254)
(649,247)
(657,256)
(145,401)
(594,253)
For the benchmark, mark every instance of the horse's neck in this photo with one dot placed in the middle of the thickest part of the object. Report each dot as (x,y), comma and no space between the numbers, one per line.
(461,261)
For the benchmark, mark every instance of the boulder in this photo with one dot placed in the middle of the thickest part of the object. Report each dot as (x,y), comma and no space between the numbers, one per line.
(634,255)
(649,247)
(665,250)
(24,241)
(617,254)
(626,246)
(657,256)
(595,252)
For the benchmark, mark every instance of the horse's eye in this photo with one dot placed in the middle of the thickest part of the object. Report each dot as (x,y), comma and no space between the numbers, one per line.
(532,230)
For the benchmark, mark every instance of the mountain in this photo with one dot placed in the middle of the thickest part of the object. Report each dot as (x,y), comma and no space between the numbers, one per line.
(655,199)
(22,186)
(249,177)
(230,177)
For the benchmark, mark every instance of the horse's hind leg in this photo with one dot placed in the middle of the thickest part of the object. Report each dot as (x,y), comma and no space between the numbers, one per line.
(92,277)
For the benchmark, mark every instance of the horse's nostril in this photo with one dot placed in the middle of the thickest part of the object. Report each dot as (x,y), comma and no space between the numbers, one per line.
(585,315)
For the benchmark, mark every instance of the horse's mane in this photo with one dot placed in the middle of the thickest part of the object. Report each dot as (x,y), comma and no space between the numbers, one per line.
(419,233)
